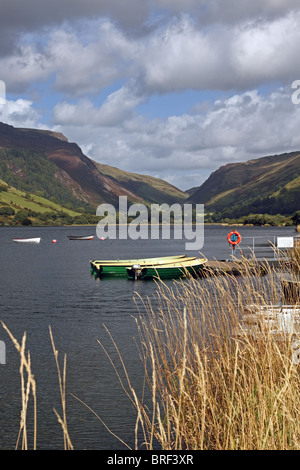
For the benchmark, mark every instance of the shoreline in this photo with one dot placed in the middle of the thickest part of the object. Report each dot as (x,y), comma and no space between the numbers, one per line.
(219,224)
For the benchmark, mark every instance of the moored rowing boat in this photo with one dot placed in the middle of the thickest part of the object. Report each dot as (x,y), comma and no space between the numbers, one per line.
(78,237)
(27,240)
(180,268)
(163,267)
(119,267)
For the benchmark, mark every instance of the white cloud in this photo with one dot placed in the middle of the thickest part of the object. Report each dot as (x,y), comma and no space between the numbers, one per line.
(77,64)
(87,68)
(19,113)
(25,66)
(176,56)
(184,56)
(116,108)
(267,51)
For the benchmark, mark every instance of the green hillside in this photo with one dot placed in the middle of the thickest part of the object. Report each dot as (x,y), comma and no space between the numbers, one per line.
(34,159)
(24,208)
(150,189)
(31,171)
(266,185)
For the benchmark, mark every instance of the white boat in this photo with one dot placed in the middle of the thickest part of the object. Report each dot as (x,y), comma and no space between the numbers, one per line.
(78,237)
(27,240)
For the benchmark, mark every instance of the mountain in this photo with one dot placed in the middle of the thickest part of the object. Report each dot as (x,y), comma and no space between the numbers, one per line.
(153,190)
(265,185)
(29,156)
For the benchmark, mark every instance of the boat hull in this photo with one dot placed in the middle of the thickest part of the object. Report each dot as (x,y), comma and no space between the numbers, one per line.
(27,240)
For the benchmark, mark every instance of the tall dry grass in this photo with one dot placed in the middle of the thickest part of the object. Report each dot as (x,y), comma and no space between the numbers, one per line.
(214,385)
(29,389)
(294,256)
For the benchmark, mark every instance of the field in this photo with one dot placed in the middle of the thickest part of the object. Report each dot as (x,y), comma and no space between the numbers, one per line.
(18,200)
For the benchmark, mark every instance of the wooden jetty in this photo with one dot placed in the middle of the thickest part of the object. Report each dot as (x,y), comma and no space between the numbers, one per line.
(236,268)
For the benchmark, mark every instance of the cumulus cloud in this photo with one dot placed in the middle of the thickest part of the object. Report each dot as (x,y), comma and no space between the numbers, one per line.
(88,67)
(184,56)
(133,15)
(77,64)
(176,56)
(116,108)
(18,17)
(237,11)
(19,113)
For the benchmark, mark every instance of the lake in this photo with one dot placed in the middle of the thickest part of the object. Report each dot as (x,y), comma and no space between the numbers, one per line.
(50,285)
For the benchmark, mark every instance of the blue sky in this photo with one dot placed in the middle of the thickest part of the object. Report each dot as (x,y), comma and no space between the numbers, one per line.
(174,89)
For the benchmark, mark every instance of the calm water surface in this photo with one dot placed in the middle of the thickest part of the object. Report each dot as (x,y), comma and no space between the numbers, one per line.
(50,285)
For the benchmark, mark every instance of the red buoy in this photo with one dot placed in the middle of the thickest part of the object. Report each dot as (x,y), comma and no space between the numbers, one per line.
(234,237)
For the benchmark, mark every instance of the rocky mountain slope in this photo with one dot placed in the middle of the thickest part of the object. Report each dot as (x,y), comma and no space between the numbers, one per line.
(265,185)
(78,174)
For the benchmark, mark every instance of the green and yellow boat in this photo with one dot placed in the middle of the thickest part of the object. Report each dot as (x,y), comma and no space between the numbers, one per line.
(162,267)
(176,269)
(116,268)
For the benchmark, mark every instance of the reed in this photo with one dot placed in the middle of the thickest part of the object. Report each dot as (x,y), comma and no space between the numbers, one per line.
(28,387)
(28,390)
(62,387)
(214,385)
(294,256)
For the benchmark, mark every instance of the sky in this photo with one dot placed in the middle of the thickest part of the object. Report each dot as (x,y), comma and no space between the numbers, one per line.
(170,88)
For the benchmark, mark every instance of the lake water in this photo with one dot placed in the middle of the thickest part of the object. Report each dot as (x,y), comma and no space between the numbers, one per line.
(50,285)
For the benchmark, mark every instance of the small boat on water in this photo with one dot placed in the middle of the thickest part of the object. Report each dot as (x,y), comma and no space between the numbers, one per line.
(27,240)
(78,237)
(178,269)
(175,266)
(119,267)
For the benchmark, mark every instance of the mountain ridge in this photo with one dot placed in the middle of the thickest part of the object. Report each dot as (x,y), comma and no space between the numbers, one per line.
(76,171)
(268,184)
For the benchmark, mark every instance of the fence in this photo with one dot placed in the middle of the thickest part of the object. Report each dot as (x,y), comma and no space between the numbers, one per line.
(269,248)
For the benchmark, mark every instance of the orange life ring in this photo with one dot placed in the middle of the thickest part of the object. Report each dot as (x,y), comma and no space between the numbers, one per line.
(234,237)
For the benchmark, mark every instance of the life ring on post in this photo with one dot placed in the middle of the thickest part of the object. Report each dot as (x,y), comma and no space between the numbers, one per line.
(234,237)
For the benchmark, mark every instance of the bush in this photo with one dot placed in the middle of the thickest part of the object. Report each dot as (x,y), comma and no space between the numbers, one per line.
(296,218)
(7,211)
(20,215)
(26,222)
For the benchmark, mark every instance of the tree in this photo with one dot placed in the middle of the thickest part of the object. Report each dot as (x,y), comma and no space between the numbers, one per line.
(296,218)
